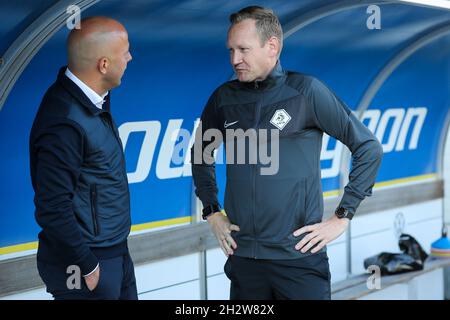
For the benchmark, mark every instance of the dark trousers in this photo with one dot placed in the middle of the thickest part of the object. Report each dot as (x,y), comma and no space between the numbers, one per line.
(117,281)
(306,278)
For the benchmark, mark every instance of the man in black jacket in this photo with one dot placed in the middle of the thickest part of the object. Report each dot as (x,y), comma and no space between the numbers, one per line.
(78,171)
(273,233)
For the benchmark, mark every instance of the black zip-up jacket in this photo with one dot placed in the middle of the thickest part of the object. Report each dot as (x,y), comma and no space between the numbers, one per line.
(79,178)
(268,208)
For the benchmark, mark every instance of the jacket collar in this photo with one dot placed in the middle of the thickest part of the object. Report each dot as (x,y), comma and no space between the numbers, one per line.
(275,77)
(78,94)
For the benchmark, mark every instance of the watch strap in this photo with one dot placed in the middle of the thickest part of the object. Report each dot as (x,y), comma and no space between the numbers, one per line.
(209,210)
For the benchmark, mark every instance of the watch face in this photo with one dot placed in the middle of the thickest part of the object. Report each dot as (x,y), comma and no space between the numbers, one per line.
(341,213)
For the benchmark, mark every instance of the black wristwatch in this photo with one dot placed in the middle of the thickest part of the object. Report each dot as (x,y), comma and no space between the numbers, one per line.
(343,213)
(209,210)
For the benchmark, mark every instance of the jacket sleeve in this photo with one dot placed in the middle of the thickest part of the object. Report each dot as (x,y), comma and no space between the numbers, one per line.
(58,159)
(202,156)
(332,116)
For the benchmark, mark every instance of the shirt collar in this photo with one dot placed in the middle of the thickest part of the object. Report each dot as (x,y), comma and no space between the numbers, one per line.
(275,77)
(93,96)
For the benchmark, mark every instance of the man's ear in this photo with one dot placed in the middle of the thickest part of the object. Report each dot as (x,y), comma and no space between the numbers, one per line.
(274,46)
(103,64)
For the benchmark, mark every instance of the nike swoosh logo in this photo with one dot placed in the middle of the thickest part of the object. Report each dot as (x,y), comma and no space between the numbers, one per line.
(226,125)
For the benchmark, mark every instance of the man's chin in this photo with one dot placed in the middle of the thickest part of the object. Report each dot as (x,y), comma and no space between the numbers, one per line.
(116,84)
(245,79)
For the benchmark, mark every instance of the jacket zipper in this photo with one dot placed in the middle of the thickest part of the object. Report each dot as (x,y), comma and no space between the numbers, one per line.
(116,135)
(257,120)
(94,208)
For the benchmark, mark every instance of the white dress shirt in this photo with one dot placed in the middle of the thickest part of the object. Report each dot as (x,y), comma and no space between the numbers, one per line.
(95,98)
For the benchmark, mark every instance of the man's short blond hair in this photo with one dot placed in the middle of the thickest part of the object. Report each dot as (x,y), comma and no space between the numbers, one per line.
(267,23)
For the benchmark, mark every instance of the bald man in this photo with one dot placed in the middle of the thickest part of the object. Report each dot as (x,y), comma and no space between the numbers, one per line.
(78,171)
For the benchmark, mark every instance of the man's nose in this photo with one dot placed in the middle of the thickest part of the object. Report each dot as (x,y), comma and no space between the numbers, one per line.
(236,58)
(129,57)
